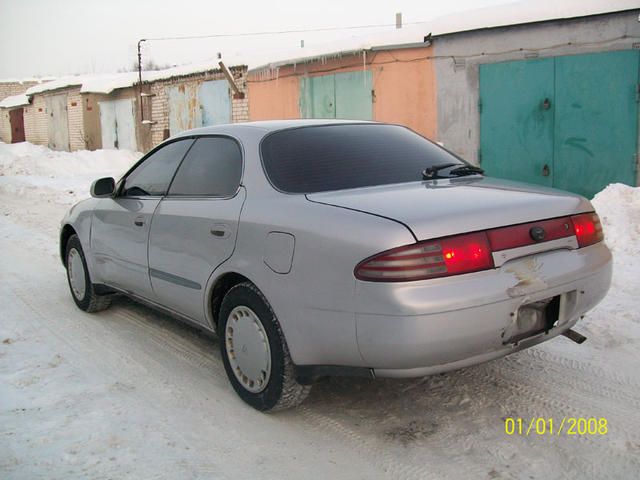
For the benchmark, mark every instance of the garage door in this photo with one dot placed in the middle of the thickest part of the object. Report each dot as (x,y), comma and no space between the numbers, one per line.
(215,102)
(568,122)
(192,105)
(117,124)
(57,122)
(343,95)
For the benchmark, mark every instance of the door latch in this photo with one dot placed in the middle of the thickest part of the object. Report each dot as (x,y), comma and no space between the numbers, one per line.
(545,170)
(546,104)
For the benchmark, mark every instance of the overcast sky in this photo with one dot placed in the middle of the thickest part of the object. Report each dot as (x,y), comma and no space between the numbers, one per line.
(59,37)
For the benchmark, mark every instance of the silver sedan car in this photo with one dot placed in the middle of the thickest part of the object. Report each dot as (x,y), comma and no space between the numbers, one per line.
(335,248)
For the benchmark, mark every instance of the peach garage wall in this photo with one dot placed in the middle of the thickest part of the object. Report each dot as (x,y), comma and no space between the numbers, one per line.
(274,98)
(403,84)
(405,89)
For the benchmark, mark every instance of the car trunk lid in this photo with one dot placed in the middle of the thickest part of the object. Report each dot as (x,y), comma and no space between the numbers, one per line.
(441,208)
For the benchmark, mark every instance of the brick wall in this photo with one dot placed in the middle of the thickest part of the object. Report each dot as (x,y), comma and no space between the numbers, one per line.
(8,89)
(240,106)
(36,121)
(76,124)
(5,126)
(159,102)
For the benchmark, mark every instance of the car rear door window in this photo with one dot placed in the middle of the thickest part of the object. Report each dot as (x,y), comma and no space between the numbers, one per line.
(154,174)
(336,157)
(213,167)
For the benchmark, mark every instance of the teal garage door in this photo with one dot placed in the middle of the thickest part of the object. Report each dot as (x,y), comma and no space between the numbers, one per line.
(568,122)
(343,95)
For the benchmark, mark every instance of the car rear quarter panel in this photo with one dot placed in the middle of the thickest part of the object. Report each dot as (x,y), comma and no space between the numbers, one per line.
(314,301)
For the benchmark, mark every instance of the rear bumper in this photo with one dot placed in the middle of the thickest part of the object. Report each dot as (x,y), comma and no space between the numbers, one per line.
(439,325)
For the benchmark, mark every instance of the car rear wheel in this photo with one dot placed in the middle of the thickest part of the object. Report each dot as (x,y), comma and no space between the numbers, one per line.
(255,353)
(82,290)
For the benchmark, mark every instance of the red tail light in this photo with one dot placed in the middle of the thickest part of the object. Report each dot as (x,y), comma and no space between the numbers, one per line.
(587,228)
(471,252)
(429,259)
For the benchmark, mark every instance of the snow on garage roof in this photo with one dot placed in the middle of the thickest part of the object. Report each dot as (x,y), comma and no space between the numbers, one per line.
(526,11)
(106,83)
(14,101)
(27,80)
(517,13)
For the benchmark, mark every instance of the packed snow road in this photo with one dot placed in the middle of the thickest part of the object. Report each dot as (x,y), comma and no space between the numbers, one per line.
(131,393)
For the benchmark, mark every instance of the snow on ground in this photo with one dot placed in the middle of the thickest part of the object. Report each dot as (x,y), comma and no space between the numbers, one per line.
(37,183)
(130,393)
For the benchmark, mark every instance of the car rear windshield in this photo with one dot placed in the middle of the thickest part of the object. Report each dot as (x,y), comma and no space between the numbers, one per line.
(337,157)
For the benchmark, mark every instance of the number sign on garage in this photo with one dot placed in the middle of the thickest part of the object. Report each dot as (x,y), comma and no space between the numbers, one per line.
(568,122)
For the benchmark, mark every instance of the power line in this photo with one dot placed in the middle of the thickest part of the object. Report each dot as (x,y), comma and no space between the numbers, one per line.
(281,32)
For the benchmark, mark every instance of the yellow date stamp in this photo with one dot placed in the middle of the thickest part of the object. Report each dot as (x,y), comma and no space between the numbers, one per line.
(552,426)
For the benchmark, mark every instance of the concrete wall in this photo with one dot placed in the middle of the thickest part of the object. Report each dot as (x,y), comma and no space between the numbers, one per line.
(403,86)
(156,107)
(458,57)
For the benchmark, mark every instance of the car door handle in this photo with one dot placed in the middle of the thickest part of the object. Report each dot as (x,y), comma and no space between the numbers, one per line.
(220,230)
(139,221)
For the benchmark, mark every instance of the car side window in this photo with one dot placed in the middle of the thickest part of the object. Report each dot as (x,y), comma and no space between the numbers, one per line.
(213,167)
(153,176)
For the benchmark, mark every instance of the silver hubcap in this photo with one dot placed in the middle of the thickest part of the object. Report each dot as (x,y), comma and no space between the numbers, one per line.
(76,274)
(248,349)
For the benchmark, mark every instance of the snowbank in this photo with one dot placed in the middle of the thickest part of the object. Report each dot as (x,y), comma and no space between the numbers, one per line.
(33,174)
(28,159)
(618,206)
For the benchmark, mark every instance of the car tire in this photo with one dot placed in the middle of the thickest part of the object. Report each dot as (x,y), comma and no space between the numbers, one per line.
(82,290)
(255,353)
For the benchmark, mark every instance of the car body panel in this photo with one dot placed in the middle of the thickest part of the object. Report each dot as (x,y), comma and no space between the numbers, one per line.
(189,238)
(119,236)
(435,323)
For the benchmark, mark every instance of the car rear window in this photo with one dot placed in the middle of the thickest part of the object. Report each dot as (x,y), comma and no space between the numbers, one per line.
(336,157)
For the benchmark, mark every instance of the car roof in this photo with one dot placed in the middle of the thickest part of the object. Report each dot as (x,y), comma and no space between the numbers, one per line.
(265,125)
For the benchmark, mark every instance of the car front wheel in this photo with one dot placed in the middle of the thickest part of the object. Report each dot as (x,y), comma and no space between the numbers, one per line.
(82,290)
(255,353)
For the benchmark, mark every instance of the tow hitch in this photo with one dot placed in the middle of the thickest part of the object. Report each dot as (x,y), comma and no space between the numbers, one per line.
(575,336)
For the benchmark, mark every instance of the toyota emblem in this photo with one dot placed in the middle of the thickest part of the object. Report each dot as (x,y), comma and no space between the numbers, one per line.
(537,233)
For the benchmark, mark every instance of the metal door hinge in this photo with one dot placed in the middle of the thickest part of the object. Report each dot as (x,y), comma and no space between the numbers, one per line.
(480,106)
(479,156)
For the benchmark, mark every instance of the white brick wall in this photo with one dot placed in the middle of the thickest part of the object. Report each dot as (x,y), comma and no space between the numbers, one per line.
(7,89)
(35,121)
(240,106)
(5,126)
(76,123)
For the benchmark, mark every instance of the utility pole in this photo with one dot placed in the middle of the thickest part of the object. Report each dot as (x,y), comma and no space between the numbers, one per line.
(140,78)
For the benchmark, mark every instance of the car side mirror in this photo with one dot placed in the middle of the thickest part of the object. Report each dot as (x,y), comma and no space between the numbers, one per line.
(103,187)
